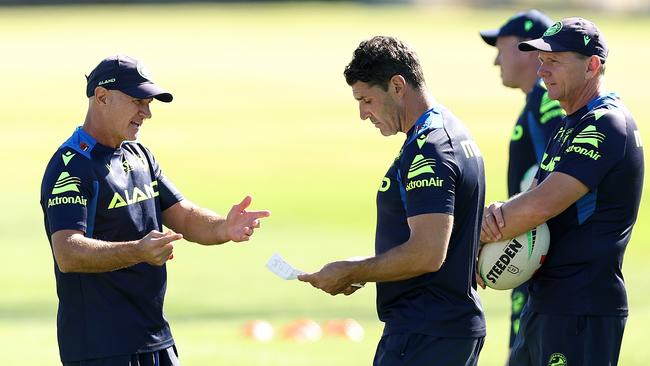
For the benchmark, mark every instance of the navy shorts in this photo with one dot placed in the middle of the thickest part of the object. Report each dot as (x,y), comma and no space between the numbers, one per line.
(164,357)
(518,297)
(560,340)
(421,349)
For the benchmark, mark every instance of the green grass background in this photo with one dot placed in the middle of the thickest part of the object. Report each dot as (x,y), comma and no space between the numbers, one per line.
(261,107)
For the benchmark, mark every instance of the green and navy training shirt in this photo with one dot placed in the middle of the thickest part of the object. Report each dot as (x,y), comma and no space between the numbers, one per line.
(438,170)
(111,195)
(600,146)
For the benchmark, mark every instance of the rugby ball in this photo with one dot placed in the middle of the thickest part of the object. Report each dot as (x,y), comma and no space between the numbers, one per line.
(507,264)
(527,179)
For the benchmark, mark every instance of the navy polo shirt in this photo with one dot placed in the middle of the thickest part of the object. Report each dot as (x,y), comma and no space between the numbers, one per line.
(534,127)
(438,170)
(600,146)
(111,195)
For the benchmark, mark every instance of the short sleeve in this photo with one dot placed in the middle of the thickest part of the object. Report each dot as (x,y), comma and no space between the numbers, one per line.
(429,175)
(67,190)
(595,149)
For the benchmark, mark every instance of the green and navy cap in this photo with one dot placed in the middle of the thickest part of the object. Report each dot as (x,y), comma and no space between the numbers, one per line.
(570,35)
(527,24)
(127,75)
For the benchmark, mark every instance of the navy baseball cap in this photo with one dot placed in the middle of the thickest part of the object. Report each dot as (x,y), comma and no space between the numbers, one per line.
(527,24)
(127,75)
(570,35)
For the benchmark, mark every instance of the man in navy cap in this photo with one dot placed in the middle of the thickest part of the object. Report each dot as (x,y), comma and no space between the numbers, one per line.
(105,201)
(588,190)
(536,121)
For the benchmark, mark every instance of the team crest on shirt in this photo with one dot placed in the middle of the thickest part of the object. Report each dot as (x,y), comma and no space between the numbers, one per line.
(557,359)
(126,166)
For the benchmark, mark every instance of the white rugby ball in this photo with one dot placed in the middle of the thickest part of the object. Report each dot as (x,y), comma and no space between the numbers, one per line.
(507,264)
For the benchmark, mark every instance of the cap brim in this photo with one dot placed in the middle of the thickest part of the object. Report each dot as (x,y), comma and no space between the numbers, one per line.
(540,44)
(490,36)
(149,90)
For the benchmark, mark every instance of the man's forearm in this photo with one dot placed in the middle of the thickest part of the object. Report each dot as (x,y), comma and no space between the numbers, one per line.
(204,226)
(76,253)
(400,263)
(521,214)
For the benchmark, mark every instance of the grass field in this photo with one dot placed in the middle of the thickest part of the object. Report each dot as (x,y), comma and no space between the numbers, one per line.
(261,107)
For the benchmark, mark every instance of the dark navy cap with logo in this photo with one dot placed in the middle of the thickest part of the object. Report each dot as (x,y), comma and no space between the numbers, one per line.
(570,35)
(527,24)
(127,75)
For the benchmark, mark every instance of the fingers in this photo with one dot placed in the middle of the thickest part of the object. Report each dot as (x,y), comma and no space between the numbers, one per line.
(351,289)
(168,237)
(490,228)
(155,234)
(307,277)
(157,247)
(484,236)
(493,221)
(258,214)
(498,215)
(240,207)
(479,281)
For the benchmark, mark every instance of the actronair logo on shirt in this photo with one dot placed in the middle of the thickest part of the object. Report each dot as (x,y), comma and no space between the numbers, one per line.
(76,200)
(420,166)
(66,183)
(588,136)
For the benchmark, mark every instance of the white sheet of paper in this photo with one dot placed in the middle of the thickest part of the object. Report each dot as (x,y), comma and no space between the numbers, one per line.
(281,268)
(285,271)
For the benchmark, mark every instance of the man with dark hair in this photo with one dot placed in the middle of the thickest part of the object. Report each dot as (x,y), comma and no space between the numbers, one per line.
(429,209)
(577,308)
(537,120)
(105,201)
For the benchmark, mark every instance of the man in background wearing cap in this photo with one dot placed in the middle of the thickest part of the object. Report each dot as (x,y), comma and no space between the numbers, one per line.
(105,200)
(536,121)
(588,190)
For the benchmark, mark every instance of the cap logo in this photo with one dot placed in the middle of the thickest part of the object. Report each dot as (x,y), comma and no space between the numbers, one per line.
(586,39)
(554,29)
(107,81)
(527,25)
(143,71)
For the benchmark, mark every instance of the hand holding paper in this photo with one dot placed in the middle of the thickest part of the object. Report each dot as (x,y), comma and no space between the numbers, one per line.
(282,269)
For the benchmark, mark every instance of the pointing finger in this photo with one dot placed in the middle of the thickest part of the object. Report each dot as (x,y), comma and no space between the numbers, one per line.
(169,238)
(258,214)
